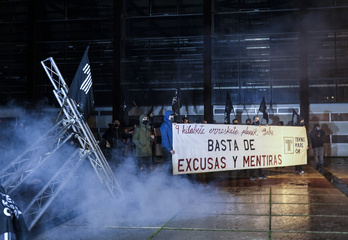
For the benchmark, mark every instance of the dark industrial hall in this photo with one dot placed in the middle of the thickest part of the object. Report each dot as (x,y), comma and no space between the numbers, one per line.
(174,119)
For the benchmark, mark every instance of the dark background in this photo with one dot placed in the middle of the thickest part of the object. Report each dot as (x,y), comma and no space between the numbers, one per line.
(290,52)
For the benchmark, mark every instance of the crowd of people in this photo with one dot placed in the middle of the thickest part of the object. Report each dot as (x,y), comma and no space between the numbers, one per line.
(147,145)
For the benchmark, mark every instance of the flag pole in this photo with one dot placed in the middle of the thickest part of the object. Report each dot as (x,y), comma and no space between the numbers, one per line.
(246,111)
(179,107)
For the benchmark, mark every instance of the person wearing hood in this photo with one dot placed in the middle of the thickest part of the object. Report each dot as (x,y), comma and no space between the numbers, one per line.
(112,139)
(143,139)
(167,140)
(317,140)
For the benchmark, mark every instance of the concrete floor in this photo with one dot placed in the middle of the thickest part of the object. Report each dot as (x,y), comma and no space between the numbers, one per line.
(229,206)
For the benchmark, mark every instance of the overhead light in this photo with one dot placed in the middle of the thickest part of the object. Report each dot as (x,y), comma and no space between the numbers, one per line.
(256,39)
(257,47)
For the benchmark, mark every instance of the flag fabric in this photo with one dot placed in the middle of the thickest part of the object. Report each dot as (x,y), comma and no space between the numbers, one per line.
(176,103)
(128,104)
(124,107)
(295,119)
(228,109)
(81,87)
(150,112)
(263,109)
(128,101)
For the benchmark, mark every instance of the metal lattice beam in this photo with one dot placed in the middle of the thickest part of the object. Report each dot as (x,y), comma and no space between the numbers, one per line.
(70,125)
(14,174)
(82,130)
(50,190)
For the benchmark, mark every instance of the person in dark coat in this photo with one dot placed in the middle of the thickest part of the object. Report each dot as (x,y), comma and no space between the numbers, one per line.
(143,139)
(113,134)
(256,121)
(12,224)
(112,138)
(317,141)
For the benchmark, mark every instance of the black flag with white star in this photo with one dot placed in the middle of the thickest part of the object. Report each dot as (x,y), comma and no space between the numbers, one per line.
(81,87)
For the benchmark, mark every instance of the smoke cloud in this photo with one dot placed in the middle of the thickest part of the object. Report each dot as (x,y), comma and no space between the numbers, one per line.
(148,199)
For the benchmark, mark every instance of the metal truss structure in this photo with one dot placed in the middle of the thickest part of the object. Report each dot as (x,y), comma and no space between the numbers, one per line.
(71,124)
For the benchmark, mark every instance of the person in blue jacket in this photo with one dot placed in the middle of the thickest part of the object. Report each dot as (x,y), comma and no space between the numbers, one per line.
(167,140)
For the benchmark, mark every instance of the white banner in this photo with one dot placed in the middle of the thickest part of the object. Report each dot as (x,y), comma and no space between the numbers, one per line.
(219,147)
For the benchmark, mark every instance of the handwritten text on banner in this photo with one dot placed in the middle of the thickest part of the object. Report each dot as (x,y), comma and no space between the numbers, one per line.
(213,147)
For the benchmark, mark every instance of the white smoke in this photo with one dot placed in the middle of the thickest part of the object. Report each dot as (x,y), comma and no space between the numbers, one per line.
(148,199)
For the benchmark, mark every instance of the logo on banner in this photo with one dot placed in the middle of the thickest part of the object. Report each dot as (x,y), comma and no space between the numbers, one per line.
(288,145)
(215,147)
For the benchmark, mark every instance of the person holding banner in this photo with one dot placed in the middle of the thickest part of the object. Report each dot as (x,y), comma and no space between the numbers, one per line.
(256,121)
(185,120)
(167,140)
(299,168)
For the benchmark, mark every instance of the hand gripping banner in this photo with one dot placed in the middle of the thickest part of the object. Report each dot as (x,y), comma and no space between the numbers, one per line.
(213,147)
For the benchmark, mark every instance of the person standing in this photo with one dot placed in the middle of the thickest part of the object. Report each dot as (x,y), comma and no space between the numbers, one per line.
(111,137)
(167,140)
(280,123)
(142,139)
(299,168)
(127,135)
(185,120)
(256,121)
(317,140)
